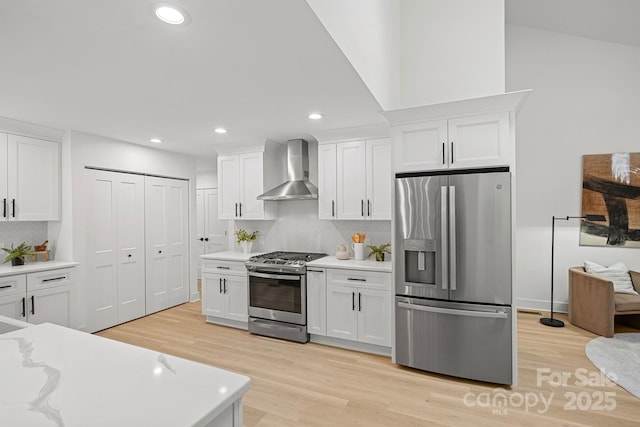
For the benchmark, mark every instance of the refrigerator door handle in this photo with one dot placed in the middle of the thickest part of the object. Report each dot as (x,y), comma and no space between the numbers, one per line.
(443,236)
(452,237)
(454,311)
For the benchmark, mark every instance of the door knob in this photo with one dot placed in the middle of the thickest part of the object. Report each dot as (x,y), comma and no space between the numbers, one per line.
(159,252)
(206,239)
(129,256)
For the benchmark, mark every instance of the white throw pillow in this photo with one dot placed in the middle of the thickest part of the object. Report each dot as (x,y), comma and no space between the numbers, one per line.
(618,273)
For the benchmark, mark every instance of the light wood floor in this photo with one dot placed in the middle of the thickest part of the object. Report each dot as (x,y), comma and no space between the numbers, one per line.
(315,385)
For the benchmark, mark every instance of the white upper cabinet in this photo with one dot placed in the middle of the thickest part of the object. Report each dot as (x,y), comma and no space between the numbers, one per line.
(470,133)
(360,178)
(30,189)
(327,181)
(465,142)
(241,181)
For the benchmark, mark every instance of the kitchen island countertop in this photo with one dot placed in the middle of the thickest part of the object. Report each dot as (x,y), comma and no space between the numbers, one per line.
(56,376)
(351,264)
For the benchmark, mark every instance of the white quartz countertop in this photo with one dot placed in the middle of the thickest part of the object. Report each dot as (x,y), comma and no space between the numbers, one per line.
(8,270)
(56,376)
(230,256)
(351,264)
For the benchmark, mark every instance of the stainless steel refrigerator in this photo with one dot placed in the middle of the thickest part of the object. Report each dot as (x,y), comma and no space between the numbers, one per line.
(452,268)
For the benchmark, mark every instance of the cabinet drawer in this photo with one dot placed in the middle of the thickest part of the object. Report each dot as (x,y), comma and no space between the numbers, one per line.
(224,267)
(360,279)
(10,285)
(49,279)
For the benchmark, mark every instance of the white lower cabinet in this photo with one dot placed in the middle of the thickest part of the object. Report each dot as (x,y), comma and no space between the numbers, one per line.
(45,296)
(316,301)
(359,306)
(224,291)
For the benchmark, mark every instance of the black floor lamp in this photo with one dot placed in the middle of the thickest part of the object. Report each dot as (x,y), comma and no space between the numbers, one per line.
(550,321)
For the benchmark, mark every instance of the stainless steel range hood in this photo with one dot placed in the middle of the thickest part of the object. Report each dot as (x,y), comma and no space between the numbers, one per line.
(298,185)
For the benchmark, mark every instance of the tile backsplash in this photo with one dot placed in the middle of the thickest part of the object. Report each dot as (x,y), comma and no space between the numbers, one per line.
(299,229)
(30,232)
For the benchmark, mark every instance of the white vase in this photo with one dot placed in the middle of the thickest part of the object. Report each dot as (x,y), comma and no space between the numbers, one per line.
(246,247)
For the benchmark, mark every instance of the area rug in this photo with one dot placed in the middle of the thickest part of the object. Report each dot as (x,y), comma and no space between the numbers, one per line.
(618,358)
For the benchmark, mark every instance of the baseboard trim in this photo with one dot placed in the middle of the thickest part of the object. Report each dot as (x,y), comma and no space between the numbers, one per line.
(350,345)
(534,304)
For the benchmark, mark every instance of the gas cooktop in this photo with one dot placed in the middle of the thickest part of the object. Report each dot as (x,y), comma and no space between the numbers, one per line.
(281,261)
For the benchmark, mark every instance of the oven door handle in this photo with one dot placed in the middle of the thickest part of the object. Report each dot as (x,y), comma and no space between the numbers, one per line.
(273,276)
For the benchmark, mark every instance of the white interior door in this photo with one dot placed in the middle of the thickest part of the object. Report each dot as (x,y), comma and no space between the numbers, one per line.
(156,230)
(199,245)
(178,243)
(130,246)
(215,229)
(3,177)
(101,250)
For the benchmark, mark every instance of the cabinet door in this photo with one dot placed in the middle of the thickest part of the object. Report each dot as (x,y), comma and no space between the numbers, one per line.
(13,306)
(33,179)
(166,218)
(251,186)
(316,302)
(379,178)
(327,181)
(4,196)
(51,305)
(374,317)
(212,295)
(480,140)
(235,288)
(351,180)
(342,317)
(420,146)
(229,186)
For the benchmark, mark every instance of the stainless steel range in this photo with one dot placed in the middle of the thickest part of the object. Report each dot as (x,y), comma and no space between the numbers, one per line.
(278,294)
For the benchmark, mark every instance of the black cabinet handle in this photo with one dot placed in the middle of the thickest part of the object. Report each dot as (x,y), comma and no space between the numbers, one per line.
(353,279)
(56,278)
(222,267)
(33,305)
(220,281)
(5,286)
(236,209)
(13,202)
(353,301)
(333,209)
(314,271)
(443,150)
(368,208)
(240,204)
(361,207)
(451,152)
(359,301)
(24,307)
(225,285)
(4,209)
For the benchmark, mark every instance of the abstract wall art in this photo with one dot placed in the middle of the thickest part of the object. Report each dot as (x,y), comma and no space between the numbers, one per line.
(611,187)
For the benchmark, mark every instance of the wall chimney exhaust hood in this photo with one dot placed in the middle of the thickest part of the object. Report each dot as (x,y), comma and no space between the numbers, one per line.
(298,186)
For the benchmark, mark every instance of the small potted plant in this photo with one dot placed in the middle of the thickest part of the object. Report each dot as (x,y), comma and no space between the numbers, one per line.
(379,251)
(245,239)
(16,255)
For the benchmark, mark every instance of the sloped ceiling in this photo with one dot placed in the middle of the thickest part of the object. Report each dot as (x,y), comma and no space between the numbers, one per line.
(111,68)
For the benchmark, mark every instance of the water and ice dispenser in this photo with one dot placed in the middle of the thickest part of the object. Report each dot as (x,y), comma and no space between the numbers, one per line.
(420,261)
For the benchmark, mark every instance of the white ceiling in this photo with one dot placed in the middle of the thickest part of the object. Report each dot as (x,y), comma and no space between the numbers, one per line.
(615,21)
(111,68)
(256,67)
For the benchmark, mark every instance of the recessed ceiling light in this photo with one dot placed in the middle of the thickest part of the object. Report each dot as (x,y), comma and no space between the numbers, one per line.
(170,14)
(156,140)
(220,130)
(315,116)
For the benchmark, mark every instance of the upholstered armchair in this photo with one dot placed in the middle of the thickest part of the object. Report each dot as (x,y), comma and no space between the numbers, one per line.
(594,306)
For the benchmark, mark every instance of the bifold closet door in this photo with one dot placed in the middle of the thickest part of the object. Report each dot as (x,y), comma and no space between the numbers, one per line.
(115,244)
(167,242)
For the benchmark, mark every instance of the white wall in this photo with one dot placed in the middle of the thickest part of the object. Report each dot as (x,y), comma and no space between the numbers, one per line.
(366,32)
(101,152)
(207,179)
(585,100)
(451,50)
